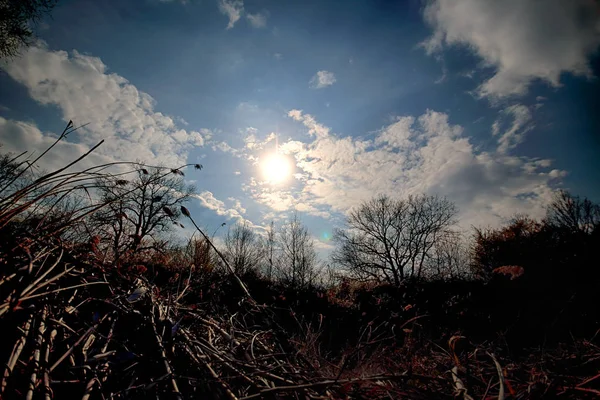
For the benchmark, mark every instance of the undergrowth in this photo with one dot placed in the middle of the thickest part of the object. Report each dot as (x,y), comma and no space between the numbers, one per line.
(75,324)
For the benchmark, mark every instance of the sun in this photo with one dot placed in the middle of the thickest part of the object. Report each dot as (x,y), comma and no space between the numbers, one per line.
(276,168)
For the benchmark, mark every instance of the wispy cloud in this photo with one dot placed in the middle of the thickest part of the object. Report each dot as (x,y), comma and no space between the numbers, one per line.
(314,128)
(322,79)
(225,148)
(515,134)
(523,40)
(233,9)
(258,20)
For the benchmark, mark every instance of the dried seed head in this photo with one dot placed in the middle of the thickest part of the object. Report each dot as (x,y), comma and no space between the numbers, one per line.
(185,212)
(198,166)
(168,211)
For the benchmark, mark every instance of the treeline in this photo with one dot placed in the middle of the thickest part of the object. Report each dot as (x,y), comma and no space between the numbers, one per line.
(133,216)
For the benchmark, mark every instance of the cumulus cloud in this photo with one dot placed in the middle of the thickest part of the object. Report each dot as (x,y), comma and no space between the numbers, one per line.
(233,9)
(523,40)
(425,154)
(235,212)
(113,109)
(19,136)
(284,200)
(322,79)
(208,200)
(258,20)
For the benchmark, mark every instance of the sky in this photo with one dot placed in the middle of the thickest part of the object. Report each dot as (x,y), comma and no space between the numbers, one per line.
(492,104)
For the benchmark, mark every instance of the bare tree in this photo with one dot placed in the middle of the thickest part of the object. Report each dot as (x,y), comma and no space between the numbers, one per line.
(298,258)
(10,170)
(450,258)
(573,213)
(328,276)
(139,211)
(392,240)
(243,249)
(270,249)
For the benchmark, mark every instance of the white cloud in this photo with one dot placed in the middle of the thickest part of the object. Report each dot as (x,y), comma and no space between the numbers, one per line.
(515,134)
(114,109)
(237,205)
(284,201)
(523,40)
(258,20)
(225,148)
(415,155)
(251,141)
(292,147)
(314,128)
(233,9)
(323,247)
(208,200)
(18,136)
(322,79)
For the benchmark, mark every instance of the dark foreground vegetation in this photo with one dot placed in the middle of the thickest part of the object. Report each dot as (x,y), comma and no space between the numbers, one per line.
(98,302)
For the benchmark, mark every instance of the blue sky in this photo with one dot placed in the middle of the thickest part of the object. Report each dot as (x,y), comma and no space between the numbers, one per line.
(489,103)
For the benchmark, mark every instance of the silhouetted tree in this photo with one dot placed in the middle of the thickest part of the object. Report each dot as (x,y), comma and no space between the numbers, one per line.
(270,249)
(392,240)
(514,244)
(243,249)
(450,258)
(16,18)
(139,210)
(298,260)
(10,170)
(573,213)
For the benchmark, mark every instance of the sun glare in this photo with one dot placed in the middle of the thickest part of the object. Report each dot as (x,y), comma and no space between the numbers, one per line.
(276,168)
